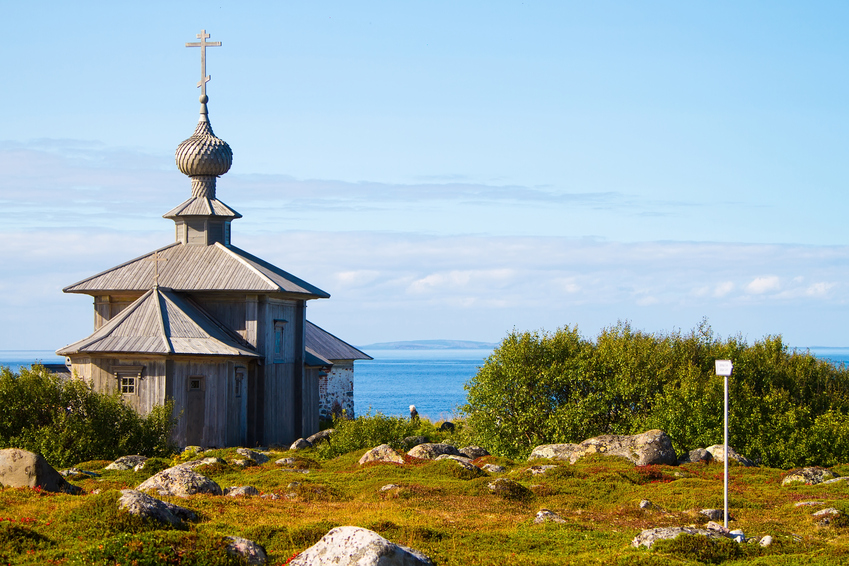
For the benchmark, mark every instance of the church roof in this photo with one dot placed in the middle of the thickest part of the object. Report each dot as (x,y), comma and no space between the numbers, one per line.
(162,322)
(328,346)
(202,206)
(197,268)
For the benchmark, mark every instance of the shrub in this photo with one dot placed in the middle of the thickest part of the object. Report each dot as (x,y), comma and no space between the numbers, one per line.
(368,431)
(787,409)
(67,422)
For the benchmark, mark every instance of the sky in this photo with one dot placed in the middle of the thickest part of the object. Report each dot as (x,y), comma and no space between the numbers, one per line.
(445,170)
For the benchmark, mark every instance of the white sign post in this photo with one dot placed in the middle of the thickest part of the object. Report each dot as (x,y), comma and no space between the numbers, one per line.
(724,368)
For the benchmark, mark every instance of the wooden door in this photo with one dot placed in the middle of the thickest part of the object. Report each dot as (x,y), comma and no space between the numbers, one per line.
(195,410)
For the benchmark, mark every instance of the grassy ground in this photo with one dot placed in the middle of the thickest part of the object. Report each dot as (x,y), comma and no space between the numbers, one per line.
(448,514)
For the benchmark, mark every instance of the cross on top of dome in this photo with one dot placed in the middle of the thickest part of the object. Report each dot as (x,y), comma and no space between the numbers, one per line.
(203,44)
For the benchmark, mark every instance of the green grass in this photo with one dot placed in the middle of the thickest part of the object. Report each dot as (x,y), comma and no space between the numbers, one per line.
(448,514)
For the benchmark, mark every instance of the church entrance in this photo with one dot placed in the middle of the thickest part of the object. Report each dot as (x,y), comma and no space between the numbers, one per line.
(195,410)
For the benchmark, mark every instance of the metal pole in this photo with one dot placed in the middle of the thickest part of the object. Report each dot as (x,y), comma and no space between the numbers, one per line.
(725,453)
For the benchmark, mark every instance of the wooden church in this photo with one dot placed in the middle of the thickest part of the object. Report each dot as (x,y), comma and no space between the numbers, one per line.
(217,330)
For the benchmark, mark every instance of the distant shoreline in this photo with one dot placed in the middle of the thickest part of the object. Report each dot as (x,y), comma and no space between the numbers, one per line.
(431,345)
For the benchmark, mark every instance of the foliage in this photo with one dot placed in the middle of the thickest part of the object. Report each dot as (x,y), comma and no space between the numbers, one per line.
(67,422)
(787,408)
(367,431)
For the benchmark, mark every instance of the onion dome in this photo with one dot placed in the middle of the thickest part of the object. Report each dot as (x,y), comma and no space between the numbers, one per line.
(204,155)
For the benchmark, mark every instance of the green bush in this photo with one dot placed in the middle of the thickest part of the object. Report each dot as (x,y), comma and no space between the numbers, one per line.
(787,409)
(67,422)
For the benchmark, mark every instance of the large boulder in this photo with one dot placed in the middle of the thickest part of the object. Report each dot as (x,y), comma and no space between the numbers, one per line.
(249,551)
(650,536)
(697,455)
(126,462)
(382,453)
(353,546)
(430,451)
(252,455)
(650,447)
(808,476)
(474,452)
(141,504)
(180,481)
(20,468)
(321,435)
(718,453)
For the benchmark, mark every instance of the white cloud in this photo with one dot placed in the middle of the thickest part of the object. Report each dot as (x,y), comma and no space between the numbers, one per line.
(819,289)
(723,289)
(761,285)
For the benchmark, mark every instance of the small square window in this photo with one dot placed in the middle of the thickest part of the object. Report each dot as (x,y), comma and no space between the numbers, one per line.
(195,384)
(128,384)
(127,378)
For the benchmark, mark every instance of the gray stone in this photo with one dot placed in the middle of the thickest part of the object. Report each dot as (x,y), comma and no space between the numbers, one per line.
(650,447)
(180,481)
(430,451)
(827,511)
(141,504)
(715,514)
(390,487)
(548,516)
(809,503)
(252,553)
(717,528)
(126,462)
(474,452)
(382,453)
(835,480)
(77,471)
(412,441)
(300,444)
(540,470)
(353,546)
(811,475)
(718,453)
(251,455)
(648,537)
(455,458)
(192,464)
(286,462)
(765,541)
(321,435)
(20,468)
(646,504)
(241,491)
(699,455)
(493,468)
(737,535)
(508,488)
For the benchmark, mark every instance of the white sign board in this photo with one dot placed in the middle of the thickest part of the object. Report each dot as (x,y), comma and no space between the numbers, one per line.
(724,367)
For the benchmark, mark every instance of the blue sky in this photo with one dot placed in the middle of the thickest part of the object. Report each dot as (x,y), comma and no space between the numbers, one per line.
(444,169)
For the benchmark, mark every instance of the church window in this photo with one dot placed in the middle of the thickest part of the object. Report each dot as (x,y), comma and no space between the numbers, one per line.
(237,386)
(279,353)
(128,378)
(196,383)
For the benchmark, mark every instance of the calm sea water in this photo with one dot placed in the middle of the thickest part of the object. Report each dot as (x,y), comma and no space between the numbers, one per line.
(432,380)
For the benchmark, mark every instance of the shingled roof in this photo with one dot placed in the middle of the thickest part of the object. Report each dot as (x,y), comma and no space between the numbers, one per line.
(198,268)
(162,322)
(325,345)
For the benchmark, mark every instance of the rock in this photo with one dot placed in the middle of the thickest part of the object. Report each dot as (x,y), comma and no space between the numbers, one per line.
(765,541)
(300,444)
(382,453)
(240,462)
(389,487)
(180,481)
(248,550)
(141,504)
(717,528)
(251,455)
(126,462)
(827,511)
(493,468)
(447,426)
(809,476)
(508,489)
(646,504)
(718,453)
(737,535)
(412,441)
(650,447)
(353,546)
(539,470)
(835,480)
(429,451)
(286,462)
(321,435)
(241,491)
(474,452)
(455,458)
(20,468)
(195,449)
(78,472)
(548,516)
(808,503)
(468,466)
(715,514)
(648,537)
(699,455)
(192,464)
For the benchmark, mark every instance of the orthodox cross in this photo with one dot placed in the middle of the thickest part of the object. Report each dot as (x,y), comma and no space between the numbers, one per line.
(155,258)
(203,44)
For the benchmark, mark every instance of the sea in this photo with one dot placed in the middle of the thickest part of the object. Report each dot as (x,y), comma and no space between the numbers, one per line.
(432,380)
